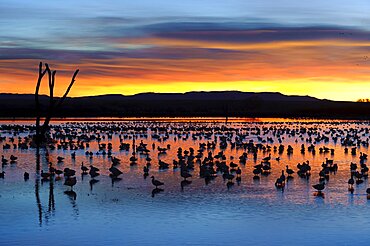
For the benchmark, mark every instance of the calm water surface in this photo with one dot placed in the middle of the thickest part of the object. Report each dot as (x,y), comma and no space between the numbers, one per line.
(125,212)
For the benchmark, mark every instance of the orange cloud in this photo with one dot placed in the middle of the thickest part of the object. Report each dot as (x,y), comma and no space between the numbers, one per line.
(334,69)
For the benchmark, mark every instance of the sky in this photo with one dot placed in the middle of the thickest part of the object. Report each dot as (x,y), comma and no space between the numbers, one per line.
(317,48)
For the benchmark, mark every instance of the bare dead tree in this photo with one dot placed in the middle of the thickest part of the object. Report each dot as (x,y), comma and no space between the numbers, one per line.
(41,75)
(41,131)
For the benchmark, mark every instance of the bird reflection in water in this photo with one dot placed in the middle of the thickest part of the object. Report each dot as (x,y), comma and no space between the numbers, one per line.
(256,181)
(185,183)
(92,182)
(71,194)
(145,175)
(115,180)
(155,191)
(83,176)
(230,184)
(72,197)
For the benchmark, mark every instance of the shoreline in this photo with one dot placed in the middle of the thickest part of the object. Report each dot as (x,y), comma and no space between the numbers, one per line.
(188,119)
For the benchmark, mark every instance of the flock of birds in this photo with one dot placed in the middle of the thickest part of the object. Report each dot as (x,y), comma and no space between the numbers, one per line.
(208,156)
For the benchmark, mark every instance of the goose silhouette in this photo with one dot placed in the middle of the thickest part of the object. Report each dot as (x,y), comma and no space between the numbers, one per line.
(319,187)
(26,176)
(70,182)
(156,183)
(115,172)
(84,169)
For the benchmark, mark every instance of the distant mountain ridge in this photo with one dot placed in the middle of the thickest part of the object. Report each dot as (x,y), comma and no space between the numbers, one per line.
(222,95)
(192,95)
(195,103)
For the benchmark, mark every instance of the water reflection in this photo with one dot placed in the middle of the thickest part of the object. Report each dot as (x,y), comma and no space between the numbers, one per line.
(92,182)
(51,206)
(248,184)
(156,191)
(185,183)
(42,212)
(38,200)
(229,184)
(115,180)
(71,194)
(72,198)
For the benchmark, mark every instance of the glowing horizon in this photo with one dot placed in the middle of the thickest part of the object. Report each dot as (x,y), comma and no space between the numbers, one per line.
(315,49)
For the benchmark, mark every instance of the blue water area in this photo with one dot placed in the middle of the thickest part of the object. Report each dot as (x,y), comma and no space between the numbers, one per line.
(129,211)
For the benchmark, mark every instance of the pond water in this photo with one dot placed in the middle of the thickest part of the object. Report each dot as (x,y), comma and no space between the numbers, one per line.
(130,212)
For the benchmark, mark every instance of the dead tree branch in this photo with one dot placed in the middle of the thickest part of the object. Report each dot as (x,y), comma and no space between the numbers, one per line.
(41,131)
(39,79)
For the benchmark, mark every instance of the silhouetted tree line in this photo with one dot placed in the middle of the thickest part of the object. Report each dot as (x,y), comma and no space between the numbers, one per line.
(364,100)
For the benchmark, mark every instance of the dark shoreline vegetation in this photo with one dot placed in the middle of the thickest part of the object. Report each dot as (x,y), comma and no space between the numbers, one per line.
(191,104)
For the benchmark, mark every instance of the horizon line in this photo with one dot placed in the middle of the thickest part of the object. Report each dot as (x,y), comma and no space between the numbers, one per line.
(195,91)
